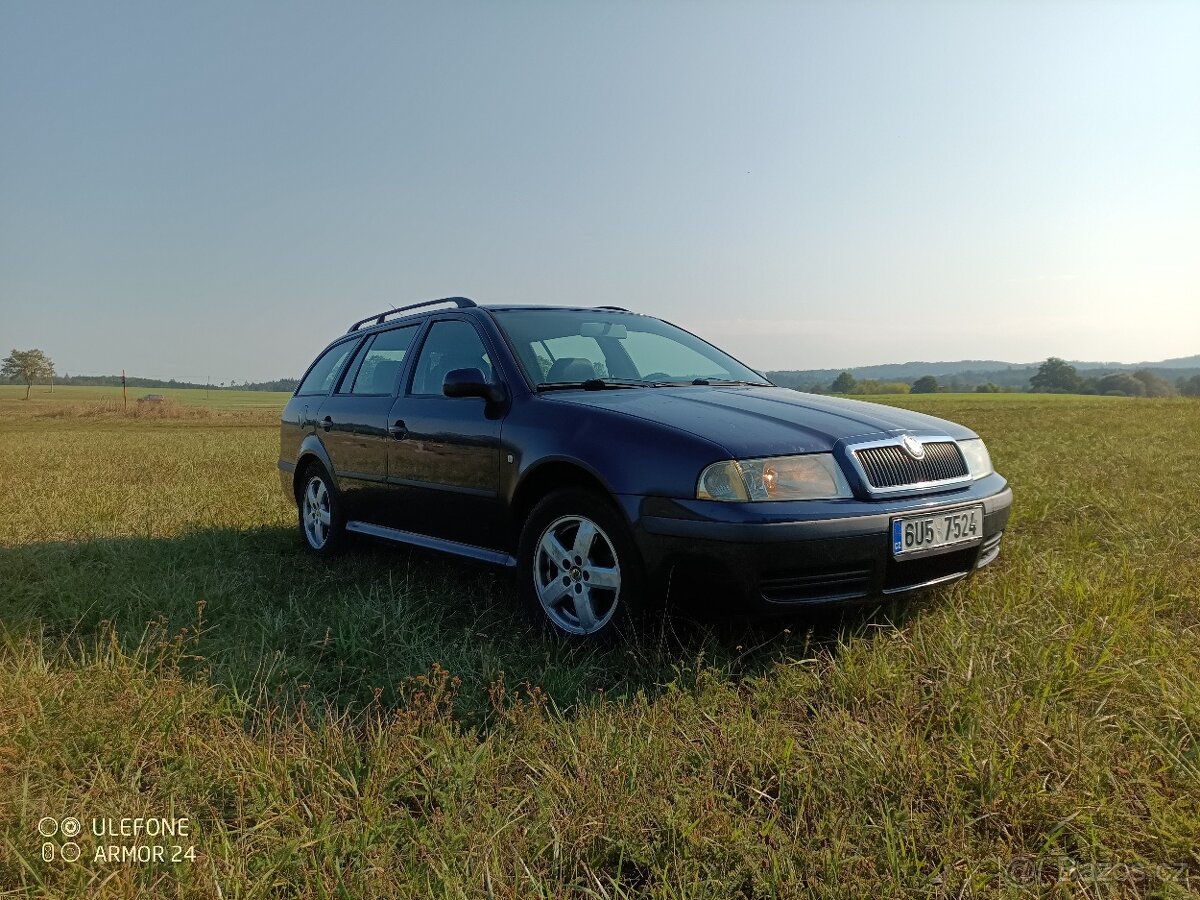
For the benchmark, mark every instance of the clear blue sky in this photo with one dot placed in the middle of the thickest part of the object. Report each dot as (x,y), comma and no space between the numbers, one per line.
(218,188)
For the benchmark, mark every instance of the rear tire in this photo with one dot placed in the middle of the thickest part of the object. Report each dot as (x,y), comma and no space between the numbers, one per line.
(579,571)
(322,524)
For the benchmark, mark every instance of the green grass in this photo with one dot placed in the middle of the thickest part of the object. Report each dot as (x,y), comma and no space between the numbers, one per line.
(388,725)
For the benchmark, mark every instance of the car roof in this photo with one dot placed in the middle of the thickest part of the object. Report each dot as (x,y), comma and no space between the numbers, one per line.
(399,315)
(520,307)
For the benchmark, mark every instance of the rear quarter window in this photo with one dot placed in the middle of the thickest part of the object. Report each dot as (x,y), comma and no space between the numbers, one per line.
(324,371)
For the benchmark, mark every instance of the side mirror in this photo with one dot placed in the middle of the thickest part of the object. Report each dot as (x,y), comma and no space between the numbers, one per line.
(471,383)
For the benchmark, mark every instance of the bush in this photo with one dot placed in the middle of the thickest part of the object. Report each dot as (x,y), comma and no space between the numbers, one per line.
(1120,384)
(1154,385)
(871,386)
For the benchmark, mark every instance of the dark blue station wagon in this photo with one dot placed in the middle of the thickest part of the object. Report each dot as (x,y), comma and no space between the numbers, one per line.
(605,455)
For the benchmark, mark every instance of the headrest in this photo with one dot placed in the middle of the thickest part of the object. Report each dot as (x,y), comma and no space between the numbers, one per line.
(571,368)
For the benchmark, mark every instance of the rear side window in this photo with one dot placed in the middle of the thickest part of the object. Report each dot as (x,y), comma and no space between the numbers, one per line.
(379,368)
(324,371)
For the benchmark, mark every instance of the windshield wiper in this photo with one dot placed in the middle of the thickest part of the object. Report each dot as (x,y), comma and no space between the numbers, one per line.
(591,384)
(721,382)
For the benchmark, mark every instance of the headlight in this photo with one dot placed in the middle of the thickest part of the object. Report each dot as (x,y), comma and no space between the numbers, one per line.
(979,463)
(814,476)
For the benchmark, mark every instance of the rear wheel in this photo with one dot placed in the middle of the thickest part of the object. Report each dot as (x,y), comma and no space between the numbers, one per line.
(322,526)
(578,568)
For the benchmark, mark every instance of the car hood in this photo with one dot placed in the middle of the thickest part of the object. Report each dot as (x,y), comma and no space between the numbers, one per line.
(763,421)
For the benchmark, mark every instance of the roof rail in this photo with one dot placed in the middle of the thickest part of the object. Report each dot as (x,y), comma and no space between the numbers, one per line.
(379,318)
(616,308)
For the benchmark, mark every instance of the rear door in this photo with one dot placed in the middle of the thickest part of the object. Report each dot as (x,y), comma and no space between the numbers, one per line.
(353,421)
(444,458)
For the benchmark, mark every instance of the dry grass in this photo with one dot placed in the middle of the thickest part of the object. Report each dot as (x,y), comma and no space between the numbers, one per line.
(166,408)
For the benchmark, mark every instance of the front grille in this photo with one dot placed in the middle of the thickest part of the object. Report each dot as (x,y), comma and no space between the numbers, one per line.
(890,466)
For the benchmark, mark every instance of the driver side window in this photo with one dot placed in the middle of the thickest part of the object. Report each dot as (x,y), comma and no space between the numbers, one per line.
(451,344)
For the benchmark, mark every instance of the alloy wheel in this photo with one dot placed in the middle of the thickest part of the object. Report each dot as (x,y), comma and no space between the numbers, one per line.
(317,513)
(577,575)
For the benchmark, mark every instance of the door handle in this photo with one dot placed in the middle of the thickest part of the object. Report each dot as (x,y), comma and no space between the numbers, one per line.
(327,422)
(398,430)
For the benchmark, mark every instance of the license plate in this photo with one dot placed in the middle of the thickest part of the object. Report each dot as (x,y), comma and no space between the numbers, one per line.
(936,531)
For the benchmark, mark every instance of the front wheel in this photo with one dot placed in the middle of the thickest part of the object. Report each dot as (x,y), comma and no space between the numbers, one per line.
(578,567)
(321,523)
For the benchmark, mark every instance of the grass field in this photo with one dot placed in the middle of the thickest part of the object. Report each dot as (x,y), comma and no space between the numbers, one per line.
(388,725)
(43,398)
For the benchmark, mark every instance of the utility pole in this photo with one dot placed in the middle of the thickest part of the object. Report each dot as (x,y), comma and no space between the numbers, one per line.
(124,392)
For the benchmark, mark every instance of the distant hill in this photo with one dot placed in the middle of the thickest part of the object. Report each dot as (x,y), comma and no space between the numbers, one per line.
(965,374)
(1183,362)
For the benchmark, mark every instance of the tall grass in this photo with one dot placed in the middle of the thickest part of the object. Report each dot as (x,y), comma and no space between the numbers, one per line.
(388,725)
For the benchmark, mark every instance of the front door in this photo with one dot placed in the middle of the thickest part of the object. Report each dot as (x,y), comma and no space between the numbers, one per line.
(444,456)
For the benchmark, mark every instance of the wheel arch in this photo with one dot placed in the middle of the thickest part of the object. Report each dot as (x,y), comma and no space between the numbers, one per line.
(551,475)
(311,450)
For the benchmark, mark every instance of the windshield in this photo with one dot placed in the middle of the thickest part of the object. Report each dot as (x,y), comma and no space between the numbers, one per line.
(571,346)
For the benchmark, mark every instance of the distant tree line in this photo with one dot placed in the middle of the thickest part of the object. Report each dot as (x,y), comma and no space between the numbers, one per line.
(1054,376)
(846,383)
(279,384)
(1012,378)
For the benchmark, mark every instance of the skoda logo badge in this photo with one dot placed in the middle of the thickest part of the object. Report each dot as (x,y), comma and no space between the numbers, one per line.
(912,446)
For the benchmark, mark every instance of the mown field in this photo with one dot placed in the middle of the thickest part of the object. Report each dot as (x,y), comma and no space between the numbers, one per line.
(389,726)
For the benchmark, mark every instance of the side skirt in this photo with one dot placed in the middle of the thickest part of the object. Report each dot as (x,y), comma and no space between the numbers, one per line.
(482,554)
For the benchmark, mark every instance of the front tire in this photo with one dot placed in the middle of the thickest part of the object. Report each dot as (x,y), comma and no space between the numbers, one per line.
(322,525)
(579,570)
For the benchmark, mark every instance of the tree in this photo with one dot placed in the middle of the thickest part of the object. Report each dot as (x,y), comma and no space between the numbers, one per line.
(926,384)
(843,384)
(988,388)
(1156,385)
(1055,376)
(1120,383)
(1189,387)
(27,365)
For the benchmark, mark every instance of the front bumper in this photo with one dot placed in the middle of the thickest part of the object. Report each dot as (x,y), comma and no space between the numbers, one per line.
(778,556)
